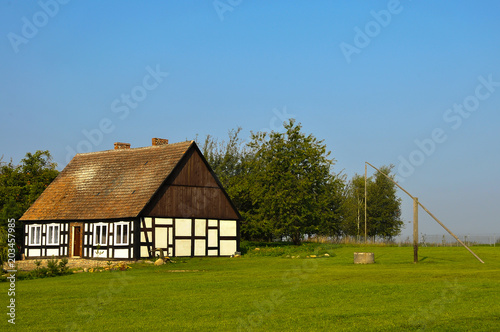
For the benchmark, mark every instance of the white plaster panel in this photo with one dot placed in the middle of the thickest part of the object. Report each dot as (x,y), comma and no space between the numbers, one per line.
(121,253)
(227,247)
(54,252)
(103,253)
(200,227)
(164,221)
(144,251)
(228,228)
(212,222)
(182,247)
(199,247)
(34,252)
(212,238)
(149,222)
(212,252)
(182,227)
(161,237)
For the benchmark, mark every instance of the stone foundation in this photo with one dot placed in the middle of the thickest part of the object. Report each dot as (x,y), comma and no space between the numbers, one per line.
(73,263)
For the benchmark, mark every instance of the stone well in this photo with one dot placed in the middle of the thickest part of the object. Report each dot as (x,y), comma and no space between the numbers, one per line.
(364,258)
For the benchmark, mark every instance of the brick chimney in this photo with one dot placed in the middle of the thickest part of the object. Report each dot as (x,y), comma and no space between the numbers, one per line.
(121,146)
(159,141)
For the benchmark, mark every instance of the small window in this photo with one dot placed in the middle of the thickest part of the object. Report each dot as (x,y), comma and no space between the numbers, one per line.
(53,235)
(121,235)
(35,234)
(101,234)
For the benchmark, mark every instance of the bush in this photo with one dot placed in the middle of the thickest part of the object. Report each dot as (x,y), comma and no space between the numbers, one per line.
(54,268)
(63,266)
(41,272)
(286,249)
(4,248)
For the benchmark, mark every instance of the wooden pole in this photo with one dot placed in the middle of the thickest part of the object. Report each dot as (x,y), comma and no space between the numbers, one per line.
(365,199)
(451,233)
(415,230)
(357,205)
(425,209)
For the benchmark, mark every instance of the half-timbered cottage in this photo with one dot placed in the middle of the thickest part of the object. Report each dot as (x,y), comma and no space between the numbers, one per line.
(125,203)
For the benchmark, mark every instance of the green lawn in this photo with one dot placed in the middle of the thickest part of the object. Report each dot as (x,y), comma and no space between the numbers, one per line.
(448,290)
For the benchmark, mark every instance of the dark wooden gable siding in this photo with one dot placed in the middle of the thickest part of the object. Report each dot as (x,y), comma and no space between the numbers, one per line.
(195,173)
(191,192)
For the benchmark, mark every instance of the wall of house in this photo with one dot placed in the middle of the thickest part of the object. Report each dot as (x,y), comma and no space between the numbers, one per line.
(188,237)
(46,239)
(118,244)
(101,240)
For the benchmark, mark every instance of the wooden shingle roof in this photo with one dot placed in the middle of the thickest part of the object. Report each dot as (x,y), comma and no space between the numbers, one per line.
(107,184)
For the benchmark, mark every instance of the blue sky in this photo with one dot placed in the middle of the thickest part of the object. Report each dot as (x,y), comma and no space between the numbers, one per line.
(412,83)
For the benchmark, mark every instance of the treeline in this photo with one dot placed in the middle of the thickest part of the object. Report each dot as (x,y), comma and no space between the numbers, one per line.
(283,184)
(285,187)
(20,186)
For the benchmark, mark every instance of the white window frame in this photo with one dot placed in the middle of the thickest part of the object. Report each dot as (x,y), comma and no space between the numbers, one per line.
(32,238)
(53,234)
(99,237)
(121,236)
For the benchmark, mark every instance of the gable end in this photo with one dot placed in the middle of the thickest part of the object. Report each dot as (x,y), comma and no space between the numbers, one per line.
(192,191)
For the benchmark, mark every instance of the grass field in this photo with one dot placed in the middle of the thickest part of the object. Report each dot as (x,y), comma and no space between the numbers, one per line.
(448,290)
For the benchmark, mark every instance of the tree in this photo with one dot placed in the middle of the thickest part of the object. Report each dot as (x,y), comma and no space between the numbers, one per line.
(353,207)
(21,185)
(283,185)
(227,159)
(383,206)
(292,186)
(280,182)
(231,160)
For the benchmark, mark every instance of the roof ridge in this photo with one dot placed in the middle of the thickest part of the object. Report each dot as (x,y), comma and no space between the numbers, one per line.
(134,149)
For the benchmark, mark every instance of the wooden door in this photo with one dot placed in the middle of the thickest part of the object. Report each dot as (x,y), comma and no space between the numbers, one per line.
(77,244)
